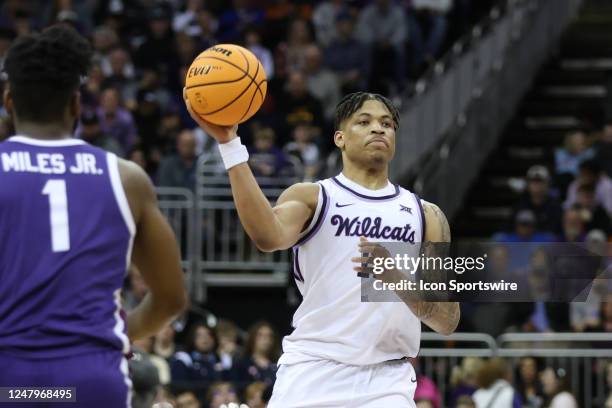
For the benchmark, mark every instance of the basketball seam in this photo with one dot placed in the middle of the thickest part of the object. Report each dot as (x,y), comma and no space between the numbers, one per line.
(235,66)
(216,83)
(252,78)
(252,97)
(229,103)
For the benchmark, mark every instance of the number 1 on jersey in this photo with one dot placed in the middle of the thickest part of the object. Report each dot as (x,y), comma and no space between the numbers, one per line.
(58,213)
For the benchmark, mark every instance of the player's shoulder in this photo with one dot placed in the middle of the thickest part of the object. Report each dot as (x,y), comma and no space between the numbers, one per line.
(133,177)
(306,192)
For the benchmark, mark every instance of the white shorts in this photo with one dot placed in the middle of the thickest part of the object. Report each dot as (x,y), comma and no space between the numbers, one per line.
(328,384)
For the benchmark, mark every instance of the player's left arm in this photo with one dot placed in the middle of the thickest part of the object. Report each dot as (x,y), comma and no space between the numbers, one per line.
(443,317)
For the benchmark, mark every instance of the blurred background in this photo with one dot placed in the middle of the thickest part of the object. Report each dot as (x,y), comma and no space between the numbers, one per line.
(506,124)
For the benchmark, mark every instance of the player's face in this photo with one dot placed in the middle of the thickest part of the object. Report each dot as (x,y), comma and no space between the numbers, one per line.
(369,134)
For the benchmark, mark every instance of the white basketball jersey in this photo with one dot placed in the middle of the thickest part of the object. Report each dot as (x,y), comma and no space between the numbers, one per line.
(332,322)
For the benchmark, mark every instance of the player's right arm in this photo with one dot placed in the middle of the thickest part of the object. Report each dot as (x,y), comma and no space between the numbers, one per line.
(270,228)
(156,255)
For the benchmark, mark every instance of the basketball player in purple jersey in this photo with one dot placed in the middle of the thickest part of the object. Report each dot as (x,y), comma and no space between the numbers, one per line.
(70,216)
(343,352)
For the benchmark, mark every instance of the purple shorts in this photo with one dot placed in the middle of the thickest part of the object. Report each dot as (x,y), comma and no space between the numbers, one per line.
(100,379)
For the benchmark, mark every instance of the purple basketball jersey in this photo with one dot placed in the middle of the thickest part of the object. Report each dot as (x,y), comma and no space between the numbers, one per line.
(67,233)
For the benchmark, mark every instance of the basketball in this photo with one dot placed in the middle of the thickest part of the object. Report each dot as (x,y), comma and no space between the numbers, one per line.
(226,84)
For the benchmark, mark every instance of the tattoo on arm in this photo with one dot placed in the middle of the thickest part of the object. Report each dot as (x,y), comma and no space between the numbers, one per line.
(441,316)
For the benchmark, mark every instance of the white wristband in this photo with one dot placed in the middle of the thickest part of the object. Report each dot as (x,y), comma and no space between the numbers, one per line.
(233,153)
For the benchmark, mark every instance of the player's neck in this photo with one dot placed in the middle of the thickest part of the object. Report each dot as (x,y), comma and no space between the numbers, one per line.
(43,131)
(372,179)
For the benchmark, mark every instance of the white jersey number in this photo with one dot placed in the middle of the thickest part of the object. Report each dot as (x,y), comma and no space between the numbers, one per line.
(58,214)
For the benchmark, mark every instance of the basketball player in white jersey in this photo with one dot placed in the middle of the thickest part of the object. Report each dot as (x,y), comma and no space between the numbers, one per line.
(343,352)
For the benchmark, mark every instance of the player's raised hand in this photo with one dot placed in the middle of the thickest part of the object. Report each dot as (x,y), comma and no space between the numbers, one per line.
(221,134)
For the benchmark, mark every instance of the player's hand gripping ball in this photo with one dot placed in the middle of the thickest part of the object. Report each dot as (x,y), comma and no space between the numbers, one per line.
(225,85)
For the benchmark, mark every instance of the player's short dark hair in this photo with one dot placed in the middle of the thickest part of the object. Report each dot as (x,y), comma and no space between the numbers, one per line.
(352,102)
(44,70)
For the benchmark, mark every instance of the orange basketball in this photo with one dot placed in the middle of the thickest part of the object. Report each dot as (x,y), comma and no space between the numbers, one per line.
(226,84)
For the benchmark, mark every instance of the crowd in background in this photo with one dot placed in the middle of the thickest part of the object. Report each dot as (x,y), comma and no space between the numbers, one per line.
(571,204)
(312,52)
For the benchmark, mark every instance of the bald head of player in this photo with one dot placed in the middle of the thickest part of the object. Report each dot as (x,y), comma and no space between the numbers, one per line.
(365,132)
(44,72)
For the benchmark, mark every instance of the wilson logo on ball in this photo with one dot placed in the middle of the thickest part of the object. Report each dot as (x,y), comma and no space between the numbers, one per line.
(223,51)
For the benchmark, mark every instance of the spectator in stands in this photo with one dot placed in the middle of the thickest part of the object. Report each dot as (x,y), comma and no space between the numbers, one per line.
(228,349)
(234,21)
(91,132)
(298,39)
(538,198)
(426,394)
(591,173)
(145,347)
(165,396)
(541,315)
(524,230)
(592,213)
(297,105)
(221,393)
(603,148)
(254,395)
(321,82)
(303,148)
(605,317)
(145,378)
(137,155)
(609,384)
(186,21)
(164,345)
(198,366)
(187,399)
(556,389)
(465,401)
(427,27)
(382,25)
(573,152)
(116,121)
(260,355)
(348,57)
(119,73)
(208,27)
(569,157)
(158,51)
(324,20)
(528,383)
(573,226)
(178,170)
(495,390)
(252,41)
(92,89)
(147,118)
(463,379)
(266,160)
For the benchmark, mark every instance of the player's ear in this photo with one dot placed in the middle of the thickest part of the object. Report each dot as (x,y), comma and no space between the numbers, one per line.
(339,139)
(7,100)
(75,104)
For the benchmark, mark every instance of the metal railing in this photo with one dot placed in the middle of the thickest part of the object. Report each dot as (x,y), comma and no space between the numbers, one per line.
(178,206)
(223,250)
(581,355)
